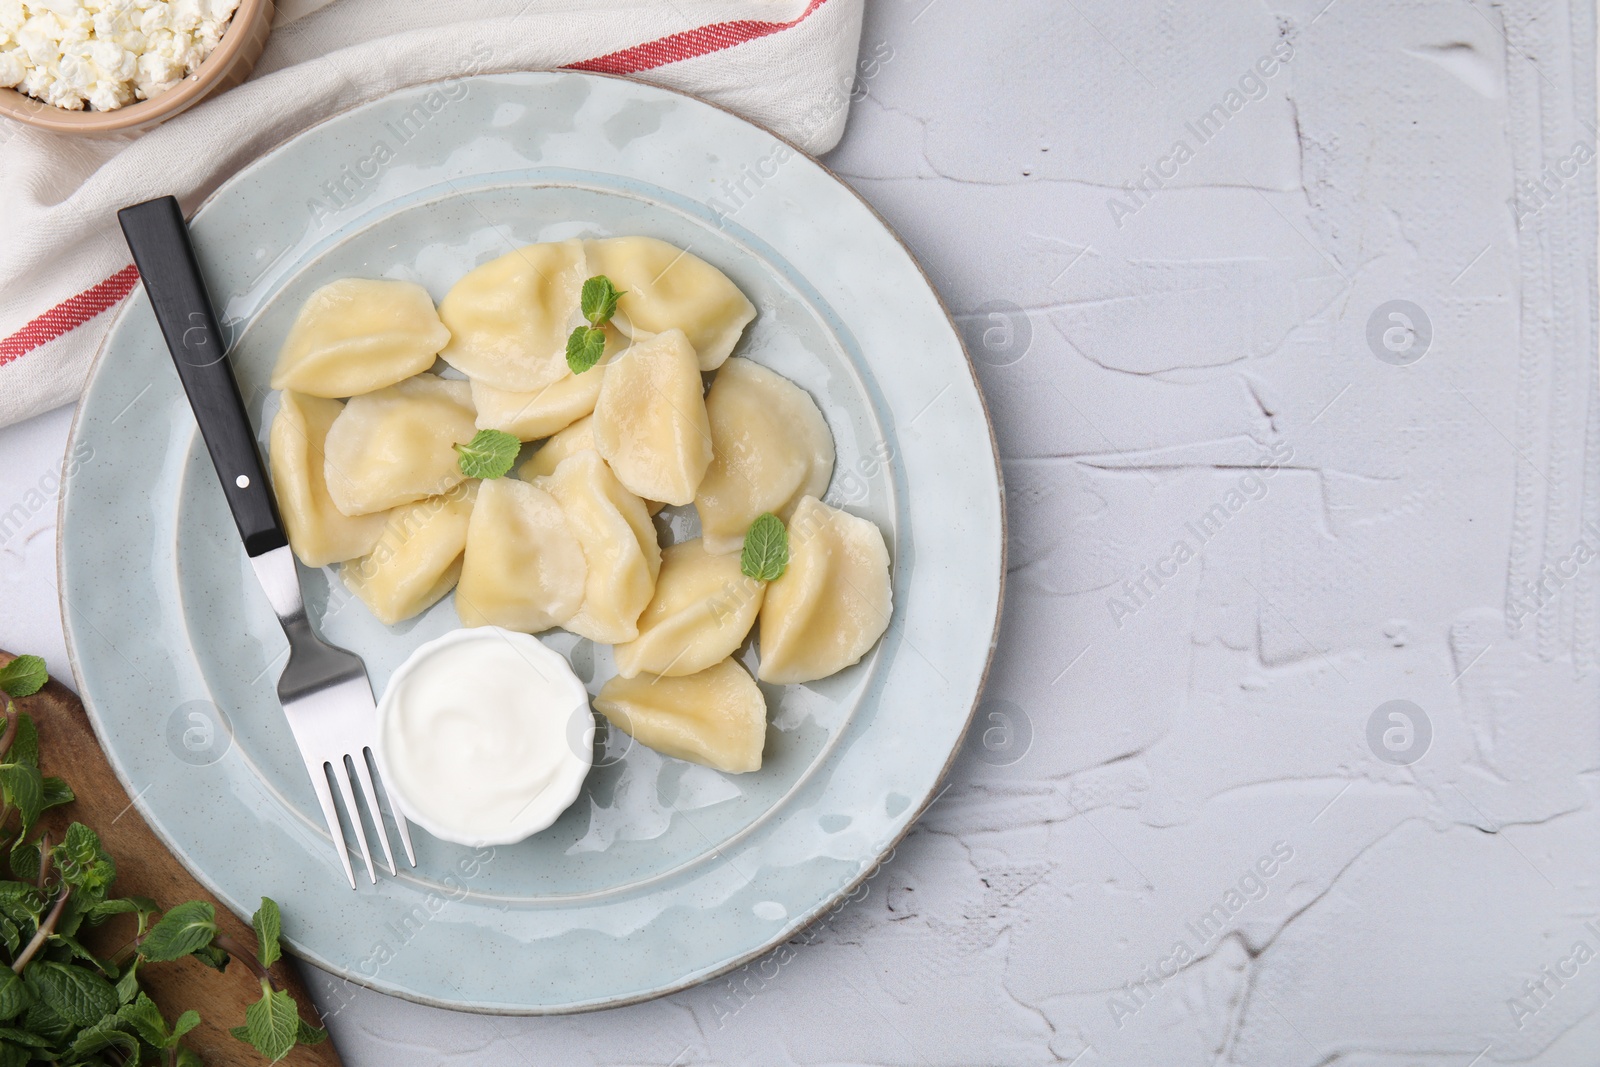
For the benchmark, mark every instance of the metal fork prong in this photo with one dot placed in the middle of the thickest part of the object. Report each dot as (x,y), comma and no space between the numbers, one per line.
(405,831)
(342,775)
(370,795)
(319,783)
(396,814)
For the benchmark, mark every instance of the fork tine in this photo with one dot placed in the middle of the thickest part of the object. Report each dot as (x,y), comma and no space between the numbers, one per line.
(394,812)
(343,778)
(319,783)
(405,831)
(370,795)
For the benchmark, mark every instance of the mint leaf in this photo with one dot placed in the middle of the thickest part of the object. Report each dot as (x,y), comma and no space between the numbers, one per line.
(76,993)
(22,1037)
(269,925)
(271,1025)
(186,1022)
(585,347)
(24,789)
(21,901)
(25,745)
(128,984)
(599,300)
(14,995)
(186,1058)
(489,454)
(57,792)
(46,1021)
(212,957)
(310,1035)
(766,548)
(25,857)
(104,909)
(23,676)
(181,931)
(83,863)
(105,1034)
(145,1018)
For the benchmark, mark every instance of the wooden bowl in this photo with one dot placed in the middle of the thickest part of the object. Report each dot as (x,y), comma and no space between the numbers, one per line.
(228,64)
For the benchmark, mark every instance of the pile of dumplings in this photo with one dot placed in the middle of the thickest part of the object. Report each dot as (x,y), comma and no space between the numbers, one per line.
(367,476)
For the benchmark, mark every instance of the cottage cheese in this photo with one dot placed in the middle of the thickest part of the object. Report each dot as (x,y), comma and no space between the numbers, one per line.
(105,53)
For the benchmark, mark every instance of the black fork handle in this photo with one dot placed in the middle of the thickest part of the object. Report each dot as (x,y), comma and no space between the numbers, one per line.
(159,240)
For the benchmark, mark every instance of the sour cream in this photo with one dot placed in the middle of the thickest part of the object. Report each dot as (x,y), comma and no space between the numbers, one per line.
(484,736)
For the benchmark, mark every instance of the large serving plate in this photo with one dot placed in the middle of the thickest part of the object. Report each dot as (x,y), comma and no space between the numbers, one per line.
(663,873)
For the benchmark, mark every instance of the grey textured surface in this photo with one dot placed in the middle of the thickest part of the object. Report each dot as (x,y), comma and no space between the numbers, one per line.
(1187,830)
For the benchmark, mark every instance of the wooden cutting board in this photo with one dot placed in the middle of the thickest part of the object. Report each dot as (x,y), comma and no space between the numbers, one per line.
(68,748)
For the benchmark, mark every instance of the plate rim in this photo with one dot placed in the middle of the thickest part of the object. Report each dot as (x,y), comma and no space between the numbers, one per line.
(869,870)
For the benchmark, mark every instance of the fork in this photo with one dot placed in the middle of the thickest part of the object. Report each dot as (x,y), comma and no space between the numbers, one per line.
(324,690)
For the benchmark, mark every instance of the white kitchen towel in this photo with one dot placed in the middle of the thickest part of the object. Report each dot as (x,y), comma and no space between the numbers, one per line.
(787,64)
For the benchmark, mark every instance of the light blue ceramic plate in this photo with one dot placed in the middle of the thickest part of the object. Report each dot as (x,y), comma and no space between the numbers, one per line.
(663,873)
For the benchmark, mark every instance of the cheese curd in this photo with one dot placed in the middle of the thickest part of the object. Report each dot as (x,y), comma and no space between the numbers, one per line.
(105,53)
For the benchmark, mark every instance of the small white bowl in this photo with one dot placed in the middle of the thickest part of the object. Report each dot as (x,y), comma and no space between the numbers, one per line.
(577,755)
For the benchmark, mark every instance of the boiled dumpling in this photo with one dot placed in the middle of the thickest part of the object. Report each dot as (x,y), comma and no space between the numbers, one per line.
(716,717)
(832,603)
(359,334)
(558,405)
(619,545)
(396,445)
(703,608)
(509,319)
(770,447)
(417,559)
(664,288)
(576,438)
(650,421)
(523,568)
(318,531)
(573,439)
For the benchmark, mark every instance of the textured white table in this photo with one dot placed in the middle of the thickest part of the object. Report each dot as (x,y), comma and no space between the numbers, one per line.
(1174,839)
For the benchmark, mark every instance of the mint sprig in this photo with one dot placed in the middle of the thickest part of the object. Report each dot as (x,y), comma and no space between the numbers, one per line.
(489,454)
(766,549)
(272,1024)
(598,302)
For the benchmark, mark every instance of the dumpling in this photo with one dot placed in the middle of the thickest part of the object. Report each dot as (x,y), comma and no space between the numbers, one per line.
(832,603)
(396,445)
(509,319)
(359,334)
(619,545)
(650,421)
(523,568)
(770,447)
(418,558)
(703,608)
(574,439)
(319,533)
(664,288)
(550,410)
(716,717)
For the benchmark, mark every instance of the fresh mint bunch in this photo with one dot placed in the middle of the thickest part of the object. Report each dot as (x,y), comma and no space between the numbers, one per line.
(60,1001)
(598,302)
